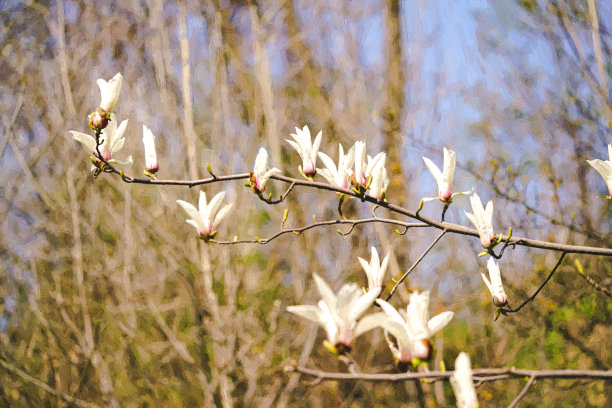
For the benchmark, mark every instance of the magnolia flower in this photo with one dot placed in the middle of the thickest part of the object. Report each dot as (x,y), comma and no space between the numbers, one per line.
(604,167)
(148,140)
(339,176)
(261,172)
(307,150)
(360,177)
(338,313)
(375,271)
(462,382)
(495,285)
(205,219)
(413,328)
(482,220)
(380,180)
(111,138)
(109,92)
(444,178)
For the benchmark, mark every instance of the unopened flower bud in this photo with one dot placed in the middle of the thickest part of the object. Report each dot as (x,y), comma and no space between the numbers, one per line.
(148,140)
(99,119)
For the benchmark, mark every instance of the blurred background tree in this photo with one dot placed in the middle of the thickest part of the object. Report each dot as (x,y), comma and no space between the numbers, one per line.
(106,295)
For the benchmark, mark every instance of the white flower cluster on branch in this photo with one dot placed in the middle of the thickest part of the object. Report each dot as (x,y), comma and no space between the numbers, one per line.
(355,174)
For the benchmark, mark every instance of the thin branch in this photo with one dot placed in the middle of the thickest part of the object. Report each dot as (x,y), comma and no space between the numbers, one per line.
(299,230)
(539,289)
(405,275)
(482,374)
(591,281)
(522,393)
(449,227)
(43,385)
(280,199)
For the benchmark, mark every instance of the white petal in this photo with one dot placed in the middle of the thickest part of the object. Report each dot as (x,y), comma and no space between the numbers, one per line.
(603,167)
(329,164)
(391,312)
(327,295)
(363,303)
(433,169)
(213,205)
(317,143)
(463,383)
(309,312)
(369,322)
(193,213)
(261,163)
(449,166)
(487,282)
(472,220)
(222,214)
(438,322)
(87,140)
(294,145)
(203,203)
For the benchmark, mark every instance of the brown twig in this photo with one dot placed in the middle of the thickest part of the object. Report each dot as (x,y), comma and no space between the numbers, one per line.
(299,230)
(480,374)
(539,289)
(449,227)
(414,265)
(523,392)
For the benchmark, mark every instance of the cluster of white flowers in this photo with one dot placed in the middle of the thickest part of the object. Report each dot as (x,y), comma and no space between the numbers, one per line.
(109,137)
(340,314)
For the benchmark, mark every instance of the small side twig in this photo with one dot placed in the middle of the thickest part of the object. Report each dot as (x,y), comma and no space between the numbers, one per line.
(405,275)
(522,393)
(590,280)
(550,275)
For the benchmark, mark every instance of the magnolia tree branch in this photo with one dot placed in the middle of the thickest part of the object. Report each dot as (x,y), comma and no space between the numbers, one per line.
(480,374)
(550,275)
(444,226)
(523,392)
(299,230)
(405,275)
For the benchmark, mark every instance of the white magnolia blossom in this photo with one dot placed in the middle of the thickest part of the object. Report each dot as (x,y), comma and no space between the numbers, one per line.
(412,329)
(444,178)
(339,176)
(604,167)
(482,220)
(377,171)
(338,313)
(111,138)
(307,150)
(463,383)
(109,92)
(148,139)
(261,172)
(208,216)
(360,175)
(375,270)
(495,284)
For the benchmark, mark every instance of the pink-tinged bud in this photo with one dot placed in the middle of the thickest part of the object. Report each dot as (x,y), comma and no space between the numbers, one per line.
(98,120)
(148,139)
(309,168)
(499,299)
(487,239)
(446,192)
